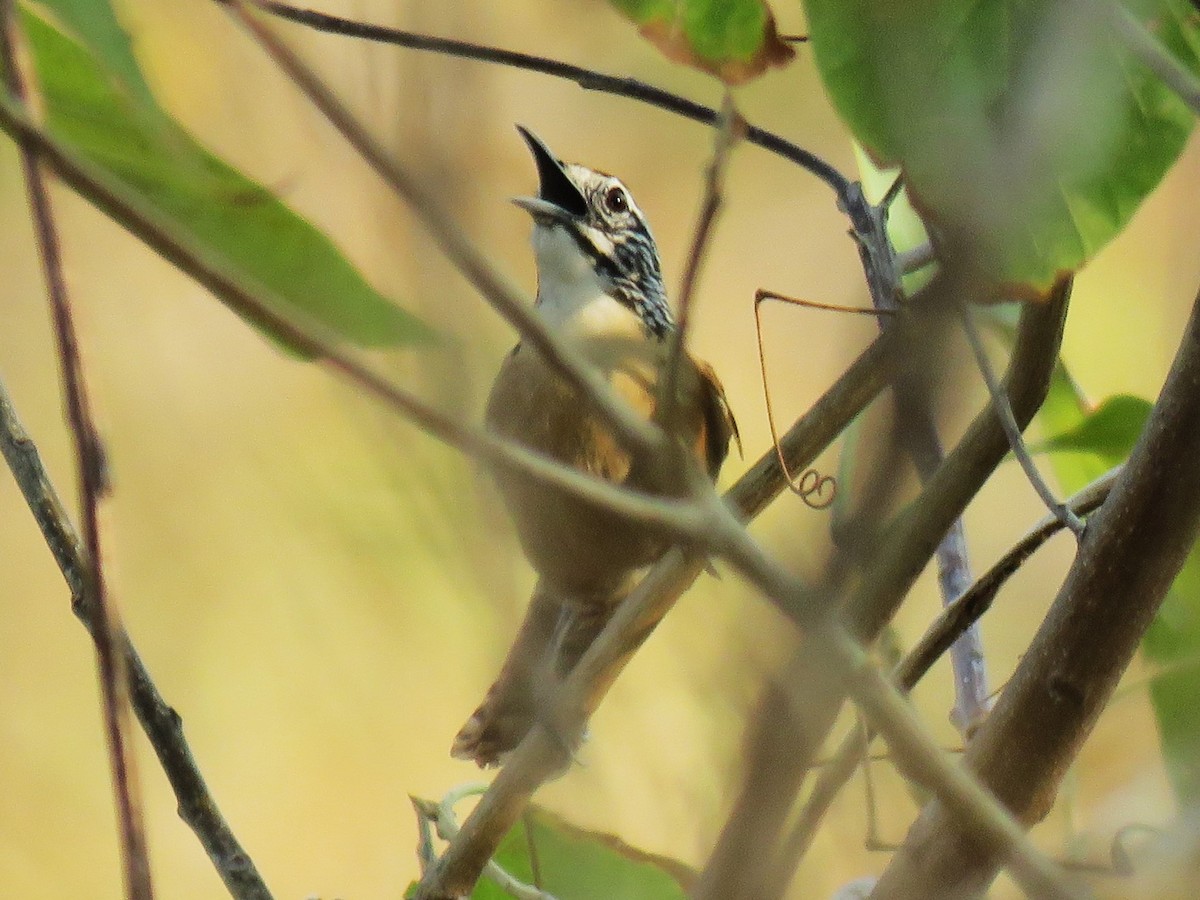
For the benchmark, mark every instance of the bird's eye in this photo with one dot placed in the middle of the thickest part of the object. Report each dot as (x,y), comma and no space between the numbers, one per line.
(616,201)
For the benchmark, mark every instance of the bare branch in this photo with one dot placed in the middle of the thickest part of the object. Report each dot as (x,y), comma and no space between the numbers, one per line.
(714,185)
(1133,547)
(93,484)
(161,723)
(977,600)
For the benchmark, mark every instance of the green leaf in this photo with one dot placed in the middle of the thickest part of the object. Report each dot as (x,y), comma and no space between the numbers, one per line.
(584,865)
(575,864)
(95,24)
(1040,155)
(734,39)
(1110,432)
(236,221)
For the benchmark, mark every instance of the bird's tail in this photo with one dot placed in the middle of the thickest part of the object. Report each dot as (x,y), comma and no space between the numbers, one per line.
(556,632)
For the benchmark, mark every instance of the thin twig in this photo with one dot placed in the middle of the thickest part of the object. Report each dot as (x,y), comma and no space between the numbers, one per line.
(714,183)
(93,484)
(504,297)
(160,722)
(922,443)
(909,261)
(587,79)
(1016,442)
(977,600)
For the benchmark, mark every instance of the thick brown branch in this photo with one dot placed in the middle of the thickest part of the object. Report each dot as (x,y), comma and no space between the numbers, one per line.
(1131,551)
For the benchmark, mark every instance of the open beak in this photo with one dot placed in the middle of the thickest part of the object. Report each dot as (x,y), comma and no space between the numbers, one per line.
(558,199)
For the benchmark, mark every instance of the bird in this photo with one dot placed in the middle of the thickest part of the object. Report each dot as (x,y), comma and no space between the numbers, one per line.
(600,290)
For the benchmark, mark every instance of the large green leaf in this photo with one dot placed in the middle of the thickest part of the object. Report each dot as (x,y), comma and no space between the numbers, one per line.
(733,39)
(236,221)
(1024,125)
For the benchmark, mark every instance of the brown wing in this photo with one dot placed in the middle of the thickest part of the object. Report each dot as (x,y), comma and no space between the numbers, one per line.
(719,423)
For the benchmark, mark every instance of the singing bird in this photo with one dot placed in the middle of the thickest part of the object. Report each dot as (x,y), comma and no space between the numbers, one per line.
(600,289)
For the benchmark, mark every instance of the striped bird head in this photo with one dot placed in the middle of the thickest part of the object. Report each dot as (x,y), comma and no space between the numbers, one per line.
(592,242)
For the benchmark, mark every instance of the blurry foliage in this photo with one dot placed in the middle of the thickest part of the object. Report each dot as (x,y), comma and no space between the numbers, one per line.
(1041,155)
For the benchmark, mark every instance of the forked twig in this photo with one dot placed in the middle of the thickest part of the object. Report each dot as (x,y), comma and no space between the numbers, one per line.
(91,467)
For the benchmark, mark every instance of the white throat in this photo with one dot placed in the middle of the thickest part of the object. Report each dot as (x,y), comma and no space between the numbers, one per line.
(571,296)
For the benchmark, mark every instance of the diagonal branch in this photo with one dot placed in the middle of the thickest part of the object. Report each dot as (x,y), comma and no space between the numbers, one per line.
(161,723)
(99,608)
(714,198)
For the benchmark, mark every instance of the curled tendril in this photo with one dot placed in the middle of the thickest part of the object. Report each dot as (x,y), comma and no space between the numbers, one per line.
(811,487)
(816,490)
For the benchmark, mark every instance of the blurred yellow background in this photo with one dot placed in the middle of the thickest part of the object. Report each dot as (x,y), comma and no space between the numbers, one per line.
(324,593)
